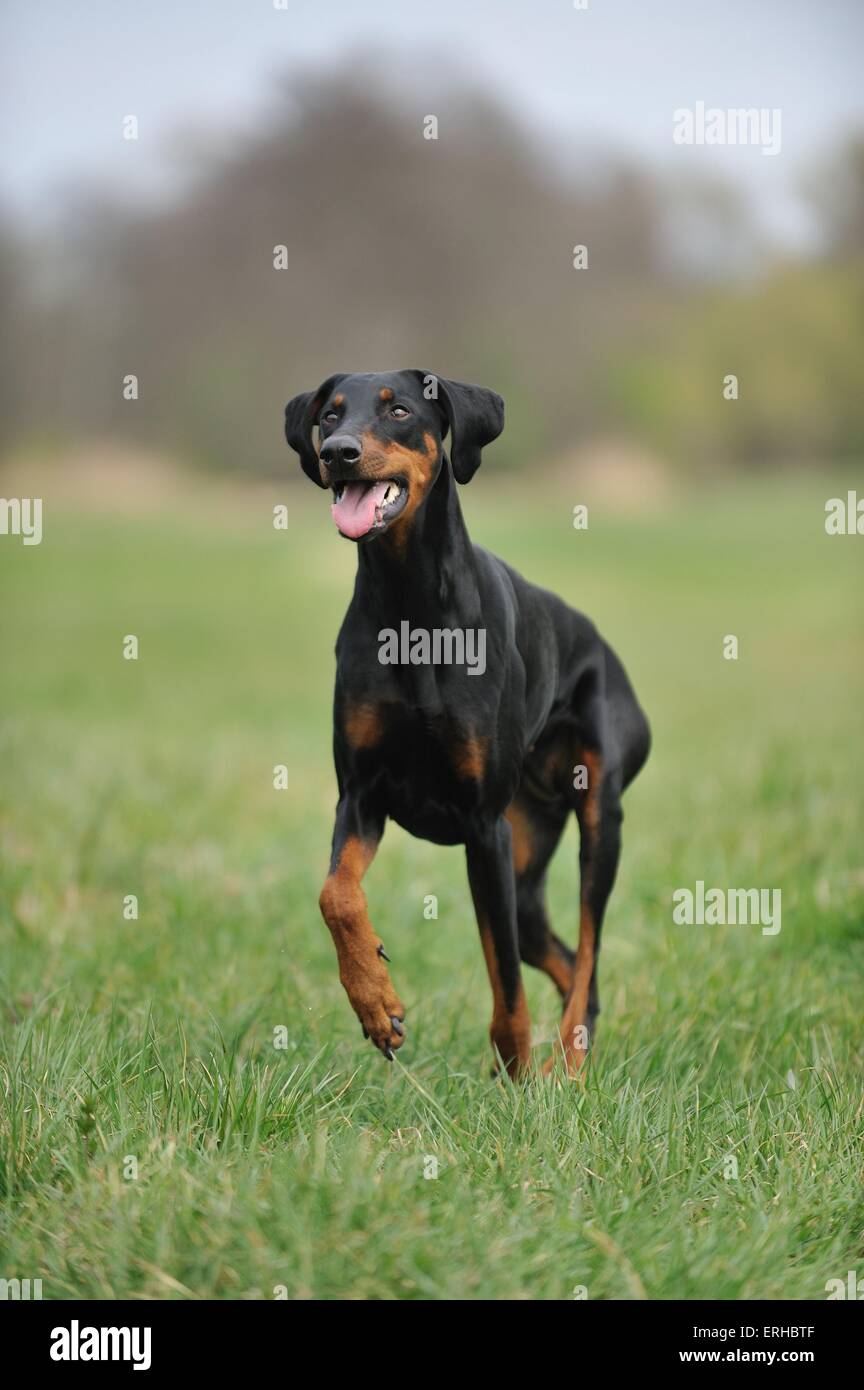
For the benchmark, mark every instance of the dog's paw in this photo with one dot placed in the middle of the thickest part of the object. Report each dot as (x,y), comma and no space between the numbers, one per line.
(381,1014)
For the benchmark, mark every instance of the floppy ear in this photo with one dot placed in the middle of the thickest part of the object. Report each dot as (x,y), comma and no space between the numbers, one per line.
(476,417)
(301,416)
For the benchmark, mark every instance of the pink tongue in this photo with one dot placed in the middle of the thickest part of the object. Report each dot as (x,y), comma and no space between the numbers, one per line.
(354,513)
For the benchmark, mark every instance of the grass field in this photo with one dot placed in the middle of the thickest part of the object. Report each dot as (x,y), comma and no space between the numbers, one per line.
(304,1166)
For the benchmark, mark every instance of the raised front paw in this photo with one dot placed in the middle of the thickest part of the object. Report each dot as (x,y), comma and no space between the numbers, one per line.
(379,1009)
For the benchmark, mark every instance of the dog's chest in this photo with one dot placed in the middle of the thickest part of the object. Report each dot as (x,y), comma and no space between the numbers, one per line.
(434,771)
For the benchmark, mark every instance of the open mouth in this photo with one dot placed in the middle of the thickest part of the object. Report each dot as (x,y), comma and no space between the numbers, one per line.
(367,506)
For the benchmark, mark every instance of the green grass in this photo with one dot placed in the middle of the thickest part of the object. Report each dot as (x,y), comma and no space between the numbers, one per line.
(303,1166)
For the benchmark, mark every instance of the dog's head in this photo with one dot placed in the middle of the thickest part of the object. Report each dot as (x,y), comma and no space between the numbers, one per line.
(380,441)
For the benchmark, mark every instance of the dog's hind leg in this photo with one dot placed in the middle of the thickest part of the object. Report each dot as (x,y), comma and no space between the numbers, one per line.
(600,816)
(536,828)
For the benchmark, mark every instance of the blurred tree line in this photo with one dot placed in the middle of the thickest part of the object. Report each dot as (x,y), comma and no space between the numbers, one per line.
(454,255)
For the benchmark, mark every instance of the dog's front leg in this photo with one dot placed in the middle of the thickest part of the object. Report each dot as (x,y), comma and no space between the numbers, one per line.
(490,873)
(343,905)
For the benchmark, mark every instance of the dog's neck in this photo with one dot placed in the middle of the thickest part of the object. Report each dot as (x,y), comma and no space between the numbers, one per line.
(427,576)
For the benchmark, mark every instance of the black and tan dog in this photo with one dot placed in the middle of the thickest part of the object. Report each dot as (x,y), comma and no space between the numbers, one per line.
(494,760)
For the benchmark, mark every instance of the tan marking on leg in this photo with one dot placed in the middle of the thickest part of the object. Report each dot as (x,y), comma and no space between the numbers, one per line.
(575,1016)
(558,971)
(510,1030)
(521,836)
(590,813)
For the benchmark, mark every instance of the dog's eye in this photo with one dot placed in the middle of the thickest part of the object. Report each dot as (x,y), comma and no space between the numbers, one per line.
(328,417)
(399,412)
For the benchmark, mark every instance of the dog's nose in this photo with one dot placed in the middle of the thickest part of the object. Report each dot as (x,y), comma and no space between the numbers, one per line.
(341,449)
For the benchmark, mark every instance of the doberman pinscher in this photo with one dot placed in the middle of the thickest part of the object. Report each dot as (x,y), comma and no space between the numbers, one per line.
(494,759)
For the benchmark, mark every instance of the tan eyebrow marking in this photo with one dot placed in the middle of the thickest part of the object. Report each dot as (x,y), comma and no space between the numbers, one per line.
(385,393)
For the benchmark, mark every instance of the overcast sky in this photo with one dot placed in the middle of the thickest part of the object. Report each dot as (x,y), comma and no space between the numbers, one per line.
(611,74)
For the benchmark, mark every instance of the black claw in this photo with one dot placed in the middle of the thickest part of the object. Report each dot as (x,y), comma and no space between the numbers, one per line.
(389,1053)
(365,1033)
(382,953)
(397,1026)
